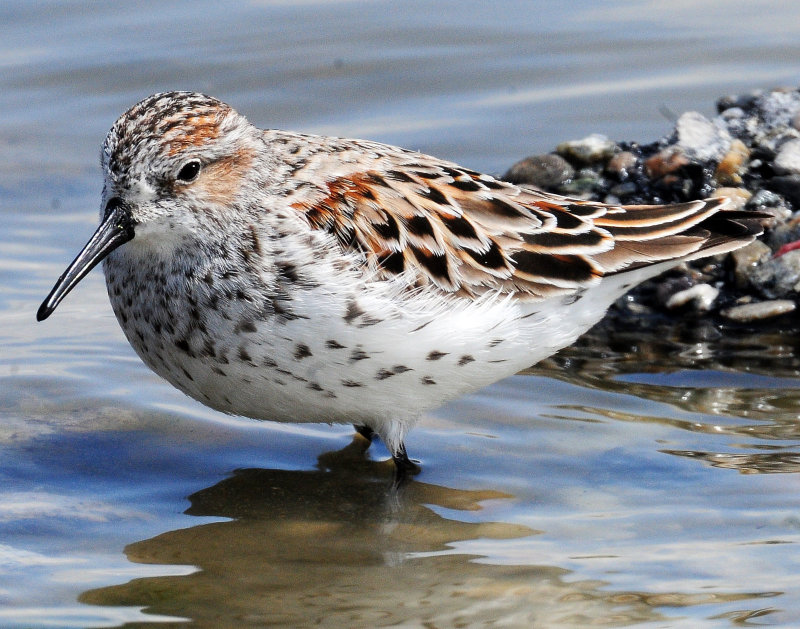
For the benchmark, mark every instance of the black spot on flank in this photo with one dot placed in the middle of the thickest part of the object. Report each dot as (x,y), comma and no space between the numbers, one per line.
(435,195)
(288,272)
(331,344)
(351,383)
(358,354)
(208,349)
(353,311)
(254,240)
(243,355)
(314,386)
(183,345)
(187,374)
(427,380)
(467,186)
(420,226)
(436,355)
(369,321)
(400,369)
(383,374)
(245,325)
(419,327)
(466,359)
(494,343)
(301,351)
(218,371)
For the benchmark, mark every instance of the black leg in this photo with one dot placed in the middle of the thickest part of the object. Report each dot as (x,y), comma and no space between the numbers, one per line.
(404,467)
(364,431)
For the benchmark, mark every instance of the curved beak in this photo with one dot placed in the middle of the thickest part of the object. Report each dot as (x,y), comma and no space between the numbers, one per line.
(116,229)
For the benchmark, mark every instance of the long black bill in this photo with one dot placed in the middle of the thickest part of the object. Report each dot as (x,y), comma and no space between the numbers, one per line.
(115,230)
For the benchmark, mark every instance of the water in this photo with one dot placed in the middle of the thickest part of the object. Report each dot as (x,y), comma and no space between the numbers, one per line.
(645,477)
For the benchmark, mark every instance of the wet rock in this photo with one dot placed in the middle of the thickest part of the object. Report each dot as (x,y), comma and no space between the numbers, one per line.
(777,277)
(665,162)
(622,165)
(784,233)
(740,101)
(702,296)
(700,138)
(746,259)
(764,199)
(543,171)
(758,311)
(749,153)
(738,196)
(671,286)
(733,164)
(593,148)
(787,160)
(788,186)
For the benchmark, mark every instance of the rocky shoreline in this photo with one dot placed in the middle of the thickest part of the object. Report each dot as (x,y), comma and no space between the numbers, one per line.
(749,152)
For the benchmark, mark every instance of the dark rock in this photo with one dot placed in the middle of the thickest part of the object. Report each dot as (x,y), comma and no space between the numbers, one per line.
(544,171)
(787,186)
(591,149)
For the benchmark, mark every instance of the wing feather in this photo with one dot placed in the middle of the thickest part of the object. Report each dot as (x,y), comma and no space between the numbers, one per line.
(432,222)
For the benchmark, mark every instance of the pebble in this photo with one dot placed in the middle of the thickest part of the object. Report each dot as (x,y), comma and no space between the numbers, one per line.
(749,153)
(702,296)
(787,186)
(777,277)
(759,311)
(746,259)
(700,138)
(732,164)
(541,170)
(622,165)
(593,148)
(787,160)
(738,196)
(665,162)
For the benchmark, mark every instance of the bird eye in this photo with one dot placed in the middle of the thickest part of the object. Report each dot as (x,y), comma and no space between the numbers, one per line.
(189,171)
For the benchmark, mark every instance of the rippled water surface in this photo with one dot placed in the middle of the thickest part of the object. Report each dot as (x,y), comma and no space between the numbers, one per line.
(647,476)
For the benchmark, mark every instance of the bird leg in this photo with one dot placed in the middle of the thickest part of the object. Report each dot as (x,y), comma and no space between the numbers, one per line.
(404,467)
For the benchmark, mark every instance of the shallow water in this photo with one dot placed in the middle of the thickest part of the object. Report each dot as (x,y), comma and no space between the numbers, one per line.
(644,477)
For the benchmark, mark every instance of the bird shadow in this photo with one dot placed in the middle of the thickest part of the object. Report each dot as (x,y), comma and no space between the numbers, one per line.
(343,545)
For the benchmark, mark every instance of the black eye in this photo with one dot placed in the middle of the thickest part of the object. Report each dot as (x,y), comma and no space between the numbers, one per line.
(189,171)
